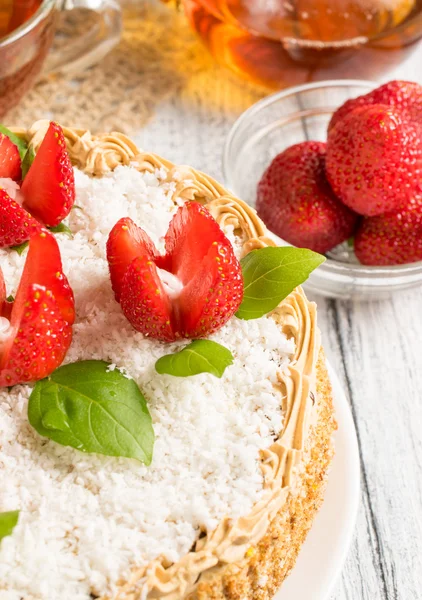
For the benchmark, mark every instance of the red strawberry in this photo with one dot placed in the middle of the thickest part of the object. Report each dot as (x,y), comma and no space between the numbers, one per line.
(405,96)
(190,291)
(10,160)
(49,187)
(16,225)
(41,317)
(296,201)
(146,303)
(125,242)
(391,239)
(374,160)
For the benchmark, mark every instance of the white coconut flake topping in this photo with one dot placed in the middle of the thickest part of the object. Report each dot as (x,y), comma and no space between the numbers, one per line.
(86,520)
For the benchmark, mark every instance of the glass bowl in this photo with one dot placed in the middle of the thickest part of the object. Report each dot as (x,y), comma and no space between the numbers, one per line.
(270,126)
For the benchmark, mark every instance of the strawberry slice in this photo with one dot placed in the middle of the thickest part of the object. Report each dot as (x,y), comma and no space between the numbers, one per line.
(10,160)
(43,266)
(191,291)
(144,300)
(16,224)
(49,187)
(125,242)
(36,334)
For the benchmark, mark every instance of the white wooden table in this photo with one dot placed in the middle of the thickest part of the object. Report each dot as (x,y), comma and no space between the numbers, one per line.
(376,349)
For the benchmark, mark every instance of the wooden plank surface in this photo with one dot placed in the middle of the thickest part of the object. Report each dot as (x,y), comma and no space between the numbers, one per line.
(376,349)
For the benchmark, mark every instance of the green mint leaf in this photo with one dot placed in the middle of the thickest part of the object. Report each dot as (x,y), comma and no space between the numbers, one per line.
(20,248)
(93,409)
(200,356)
(270,274)
(15,139)
(8,521)
(61,228)
(27,161)
(10,298)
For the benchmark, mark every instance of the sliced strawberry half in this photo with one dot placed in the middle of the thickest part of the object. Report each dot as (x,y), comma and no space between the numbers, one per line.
(190,291)
(43,266)
(125,242)
(16,224)
(145,302)
(36,333)
(10,160)
(48,189)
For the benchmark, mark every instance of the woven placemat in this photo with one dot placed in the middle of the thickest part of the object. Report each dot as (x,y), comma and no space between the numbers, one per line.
(157,54)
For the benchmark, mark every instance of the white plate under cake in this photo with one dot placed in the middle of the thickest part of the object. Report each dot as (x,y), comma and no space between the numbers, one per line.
(240,462)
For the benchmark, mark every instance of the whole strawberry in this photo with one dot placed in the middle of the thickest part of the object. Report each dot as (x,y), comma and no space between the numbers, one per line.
(297,203)
(405,96)
(374,160)
(391,239)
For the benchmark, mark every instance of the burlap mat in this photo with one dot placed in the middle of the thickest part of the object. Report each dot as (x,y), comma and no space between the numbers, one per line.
(157,54)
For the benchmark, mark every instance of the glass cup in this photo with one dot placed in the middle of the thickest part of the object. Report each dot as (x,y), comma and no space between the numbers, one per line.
(25,51)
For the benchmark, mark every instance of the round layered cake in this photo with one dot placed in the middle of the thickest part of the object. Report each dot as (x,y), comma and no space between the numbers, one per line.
(240,461)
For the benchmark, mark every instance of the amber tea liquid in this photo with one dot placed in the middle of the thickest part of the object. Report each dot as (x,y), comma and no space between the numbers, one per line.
(13,13)
(286,42)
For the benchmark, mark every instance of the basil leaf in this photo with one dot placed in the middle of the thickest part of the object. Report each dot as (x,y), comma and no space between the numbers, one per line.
(88,407)
(20,248)
(15,139)
(8,521)
(27,161)
(200,356)
(61,228)
(270,274)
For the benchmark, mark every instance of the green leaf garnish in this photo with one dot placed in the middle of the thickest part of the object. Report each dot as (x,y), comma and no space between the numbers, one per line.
(27,161)
(8,521)
(200,356)
(22,146)
(61,228)
(10,298)
(20,248)
(270,274)
(87,406)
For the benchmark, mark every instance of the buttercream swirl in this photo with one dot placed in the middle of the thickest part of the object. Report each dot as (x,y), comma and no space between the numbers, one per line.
(232,539)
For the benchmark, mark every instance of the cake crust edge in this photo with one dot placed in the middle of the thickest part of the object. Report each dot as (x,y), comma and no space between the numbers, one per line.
(260,575)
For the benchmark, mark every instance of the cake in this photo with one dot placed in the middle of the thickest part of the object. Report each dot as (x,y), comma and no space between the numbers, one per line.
(240,463)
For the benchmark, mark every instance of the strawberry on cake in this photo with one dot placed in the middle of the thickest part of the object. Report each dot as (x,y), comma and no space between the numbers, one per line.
(166,416)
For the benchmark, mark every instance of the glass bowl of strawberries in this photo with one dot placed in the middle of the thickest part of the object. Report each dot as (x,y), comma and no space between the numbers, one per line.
(336,167)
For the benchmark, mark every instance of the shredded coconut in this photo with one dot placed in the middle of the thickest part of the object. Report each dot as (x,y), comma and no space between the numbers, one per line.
(86,520)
